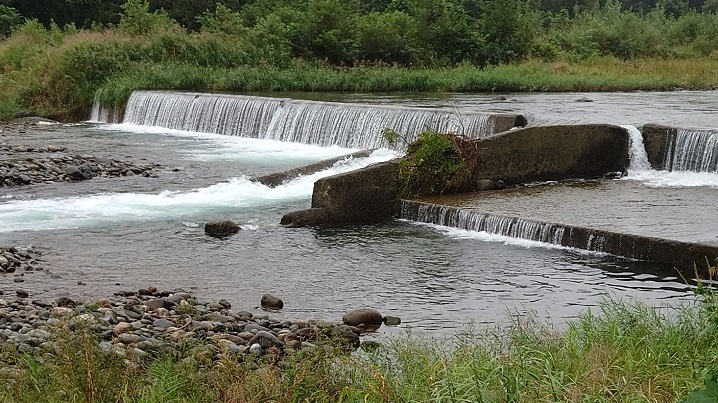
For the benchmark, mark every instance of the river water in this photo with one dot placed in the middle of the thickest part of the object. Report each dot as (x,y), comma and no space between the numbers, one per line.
(128,233)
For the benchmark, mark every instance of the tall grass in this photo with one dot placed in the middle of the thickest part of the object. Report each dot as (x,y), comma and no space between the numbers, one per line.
(57,73)
(623,352)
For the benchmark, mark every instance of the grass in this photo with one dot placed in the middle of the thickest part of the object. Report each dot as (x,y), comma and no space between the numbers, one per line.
(57,74)
(624,352)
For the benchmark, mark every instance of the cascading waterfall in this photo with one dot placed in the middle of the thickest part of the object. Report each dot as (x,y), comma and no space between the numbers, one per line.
(512,227)
(361,126)
(473,221)
(637,156)
(104,114)
(693,150)
(241,116)
(308,122)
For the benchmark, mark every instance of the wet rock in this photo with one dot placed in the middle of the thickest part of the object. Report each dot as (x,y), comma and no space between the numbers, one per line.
(269,301)
(225,304)
(220,229)
(21,293)
(485,184)
(65,302)
(367,317)
(392,320)
(584,99)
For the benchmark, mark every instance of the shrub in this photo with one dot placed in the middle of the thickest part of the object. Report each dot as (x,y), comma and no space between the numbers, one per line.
(435,163)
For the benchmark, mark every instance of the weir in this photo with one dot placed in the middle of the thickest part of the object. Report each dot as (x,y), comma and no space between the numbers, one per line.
(693,150)
(685,256)
(309,122)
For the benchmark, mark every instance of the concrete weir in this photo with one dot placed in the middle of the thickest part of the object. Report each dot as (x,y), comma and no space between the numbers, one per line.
(540,153)
(685,256)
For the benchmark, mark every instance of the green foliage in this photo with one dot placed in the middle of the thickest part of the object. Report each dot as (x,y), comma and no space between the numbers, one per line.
(435,163)
(10,19)
(136,18)
(388,37)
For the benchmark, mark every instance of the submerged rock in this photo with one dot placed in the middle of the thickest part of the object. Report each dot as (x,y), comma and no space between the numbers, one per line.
(269,301)
(220,229)
(367,317)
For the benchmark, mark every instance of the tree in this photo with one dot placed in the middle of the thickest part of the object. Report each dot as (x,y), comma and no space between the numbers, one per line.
(10,19)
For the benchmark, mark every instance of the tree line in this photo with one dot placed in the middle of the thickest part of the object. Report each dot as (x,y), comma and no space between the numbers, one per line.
(412,33)
(86,13)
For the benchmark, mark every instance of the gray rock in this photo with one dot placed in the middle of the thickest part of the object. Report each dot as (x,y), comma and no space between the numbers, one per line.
(257,328)
(269,301)
(485,184)
(231,347)
(256,349)
(162,324)
(158,303)
(177,297)
(21,293)
(367,317)
(129,338)
(139,353)
(266,340)
(215,317)
(24,179)
(226,304)
(220,229)
(345,335)
(392,320)
(65,302)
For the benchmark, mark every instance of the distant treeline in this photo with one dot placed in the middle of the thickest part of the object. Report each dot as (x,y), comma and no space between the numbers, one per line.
(411,33)
(86,13)
(56,56)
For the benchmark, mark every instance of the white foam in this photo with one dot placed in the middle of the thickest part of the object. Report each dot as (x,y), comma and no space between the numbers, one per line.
(234,194)
(223,147)
(640,169)
(506,240)
(667,179)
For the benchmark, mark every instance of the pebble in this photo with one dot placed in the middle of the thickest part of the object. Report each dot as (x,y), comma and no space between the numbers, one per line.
(123,331)
(54,164)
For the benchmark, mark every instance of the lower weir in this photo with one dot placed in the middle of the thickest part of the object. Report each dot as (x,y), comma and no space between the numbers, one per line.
(682,255)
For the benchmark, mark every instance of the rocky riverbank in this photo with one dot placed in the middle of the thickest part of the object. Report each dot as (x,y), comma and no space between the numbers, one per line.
(31,163)
(145,323)
(24,165)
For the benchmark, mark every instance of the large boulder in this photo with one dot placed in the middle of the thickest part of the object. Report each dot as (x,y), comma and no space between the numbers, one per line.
(269,301)
(366,317)
(220,229)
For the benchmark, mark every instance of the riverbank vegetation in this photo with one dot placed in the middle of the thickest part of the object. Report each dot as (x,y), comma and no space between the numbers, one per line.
(55,62)
(624,352)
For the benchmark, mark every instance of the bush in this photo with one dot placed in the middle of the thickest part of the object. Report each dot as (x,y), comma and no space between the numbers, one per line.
(10,19)
(435,163)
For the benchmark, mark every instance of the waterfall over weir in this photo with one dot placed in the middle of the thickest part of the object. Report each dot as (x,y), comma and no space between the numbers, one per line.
(693,150)
(308,122)
(493,224)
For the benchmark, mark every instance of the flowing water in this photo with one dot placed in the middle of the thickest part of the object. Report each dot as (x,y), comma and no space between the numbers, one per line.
(127,233)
